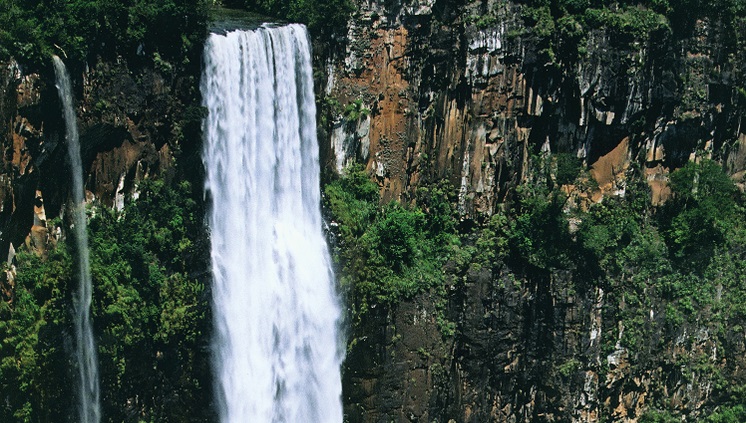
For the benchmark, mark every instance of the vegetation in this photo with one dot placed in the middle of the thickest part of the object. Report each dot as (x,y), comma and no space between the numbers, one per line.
(683,261)
(147,303)
(170,30)
(392,252)
(560,28)
(665,271)
(162,32)
(149,311)
(35,338)
(356,110)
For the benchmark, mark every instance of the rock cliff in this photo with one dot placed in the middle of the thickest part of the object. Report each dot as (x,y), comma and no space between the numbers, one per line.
(131,120)
(427,90)
(140,140)
(468,92)
(465,91)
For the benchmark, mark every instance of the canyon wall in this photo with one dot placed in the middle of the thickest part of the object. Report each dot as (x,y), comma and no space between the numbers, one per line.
(131,120)
(424,91)
(428,90)
(464,91)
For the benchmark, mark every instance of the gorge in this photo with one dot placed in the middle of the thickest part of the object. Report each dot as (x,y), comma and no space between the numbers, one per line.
(534,209)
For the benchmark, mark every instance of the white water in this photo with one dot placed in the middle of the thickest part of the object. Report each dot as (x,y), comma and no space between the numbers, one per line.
(277,349)
(89,408)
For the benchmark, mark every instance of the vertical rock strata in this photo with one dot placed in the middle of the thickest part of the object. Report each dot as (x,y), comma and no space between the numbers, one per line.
(460,91)
(431,90)
(473,102)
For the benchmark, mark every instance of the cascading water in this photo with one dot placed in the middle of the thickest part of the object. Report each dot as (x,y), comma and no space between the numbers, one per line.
(277,352)
(89,408)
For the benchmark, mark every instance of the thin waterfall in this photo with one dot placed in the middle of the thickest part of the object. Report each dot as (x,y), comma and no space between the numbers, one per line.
(277,350)
(89,408)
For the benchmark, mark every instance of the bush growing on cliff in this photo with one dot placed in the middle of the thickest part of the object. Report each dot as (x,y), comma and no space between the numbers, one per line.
(388,252)
(35,339)
(558,28)
(538,233)
(701,214)
(733,414)
(148,304)
(657,416)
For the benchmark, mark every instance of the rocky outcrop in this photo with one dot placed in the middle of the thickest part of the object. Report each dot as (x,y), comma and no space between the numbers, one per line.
(130,122)
(426,90)
(462,91)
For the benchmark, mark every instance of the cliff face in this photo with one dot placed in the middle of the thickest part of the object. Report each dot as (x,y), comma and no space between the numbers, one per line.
(129,123)
(454,97)
(426,90)
(463,91)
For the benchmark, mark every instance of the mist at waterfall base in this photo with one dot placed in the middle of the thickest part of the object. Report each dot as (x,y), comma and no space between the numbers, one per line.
(85,348)
(277,352)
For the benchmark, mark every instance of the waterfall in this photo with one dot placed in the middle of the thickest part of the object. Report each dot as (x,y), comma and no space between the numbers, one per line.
(277,350)
(85,353)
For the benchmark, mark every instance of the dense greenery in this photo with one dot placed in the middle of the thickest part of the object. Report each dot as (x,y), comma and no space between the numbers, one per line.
(35,339)
(149,311)
(391,252)
(161,32)
(148,303)
(683,260)
(560,28)
(32,30)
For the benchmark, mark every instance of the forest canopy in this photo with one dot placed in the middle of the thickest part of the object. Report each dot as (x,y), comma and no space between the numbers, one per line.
(78,29)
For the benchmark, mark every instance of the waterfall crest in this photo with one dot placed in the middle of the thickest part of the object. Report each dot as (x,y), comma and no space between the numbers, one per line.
(85,347)
(277,350)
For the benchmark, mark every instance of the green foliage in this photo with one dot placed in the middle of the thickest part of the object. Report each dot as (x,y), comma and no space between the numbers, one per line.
(166,30)
(734,414)
(35,326)
(632,21)
(542,25)
(147,304)
(485,21)
(149,312)
(609,228)
(569,367)
(539,233)
(559,27)
(392,252)
(701,214)
(568,168)
(492,244)
(355,111)
(393,236)
(482,21)
(657,416)
(660,281)
(353,201)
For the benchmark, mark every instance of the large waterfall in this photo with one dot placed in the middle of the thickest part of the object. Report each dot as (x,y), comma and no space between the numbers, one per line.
(277,352)
(85,353)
